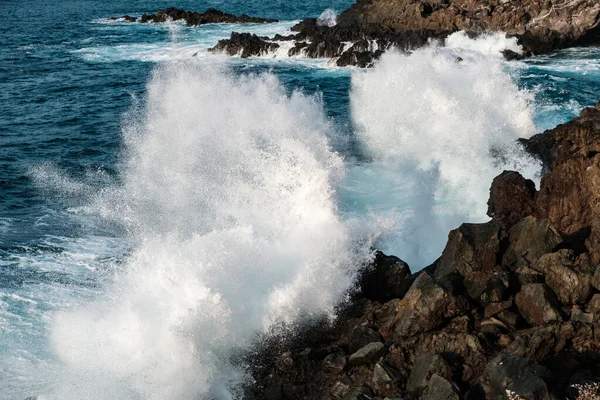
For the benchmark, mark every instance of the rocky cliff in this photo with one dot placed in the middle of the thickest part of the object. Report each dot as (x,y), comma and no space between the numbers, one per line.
(373,26)
(511,309)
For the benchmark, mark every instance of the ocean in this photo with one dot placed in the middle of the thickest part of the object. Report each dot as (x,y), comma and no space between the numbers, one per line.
(161,206)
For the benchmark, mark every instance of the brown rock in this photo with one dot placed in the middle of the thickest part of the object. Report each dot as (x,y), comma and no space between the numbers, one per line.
(425,366)
(535,344)
(570,194)
(568,277)
(530,239)
(495,308)
(512,198)
(426,306)
(537,304)
(470,248)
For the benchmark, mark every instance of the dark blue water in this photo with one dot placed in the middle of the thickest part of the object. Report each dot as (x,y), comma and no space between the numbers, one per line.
(67,78)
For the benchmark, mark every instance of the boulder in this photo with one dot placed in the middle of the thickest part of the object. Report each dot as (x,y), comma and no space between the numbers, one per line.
(439,388)
(512,198)
(426,306)
(530,239)
(470,248)
(335,362)
(537,304)
(511,374)
(569,277)
(389,277)
(368,354)
(426,365)
(362,336)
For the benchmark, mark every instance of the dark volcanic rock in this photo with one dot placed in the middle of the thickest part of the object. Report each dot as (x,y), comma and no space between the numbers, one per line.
(540,25)
(389,277)
(512,198)
(515,312)
(426,306)
(569,195)
(537,304)
(245,45)
(192,18)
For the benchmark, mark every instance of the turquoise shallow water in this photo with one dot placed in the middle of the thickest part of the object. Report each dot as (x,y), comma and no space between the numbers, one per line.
(68,80)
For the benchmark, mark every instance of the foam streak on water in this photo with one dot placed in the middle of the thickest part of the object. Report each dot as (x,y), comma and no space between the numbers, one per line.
(229,191)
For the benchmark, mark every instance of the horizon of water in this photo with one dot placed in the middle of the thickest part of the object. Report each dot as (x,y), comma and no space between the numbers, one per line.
(161,210)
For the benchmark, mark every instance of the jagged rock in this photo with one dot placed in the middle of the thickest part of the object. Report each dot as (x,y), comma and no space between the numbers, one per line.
(530,239)
(569,195)
(537,304)
(210,16)
(388,278)
(361,59)
(426,365)
(541,26)
(540,146)
(464,350)
(535,344)
(335,362)
(484,287)
(517,375)
(496,308)
(470,248)
(426,306)
(440,389)
(385,374)
(510,318)
(341,388)
(245,45)
(512,198)
(362,336)
(568,277)
(368,354)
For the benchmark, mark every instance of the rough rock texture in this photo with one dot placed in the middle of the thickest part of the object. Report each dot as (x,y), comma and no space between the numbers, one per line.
(540,25)
(245,45)
(373,26)
(512,198)
(570,195)
(516,312)
(192,18)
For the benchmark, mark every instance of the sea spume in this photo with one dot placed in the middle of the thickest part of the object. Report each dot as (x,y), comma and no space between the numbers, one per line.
(440,124)
(229,192)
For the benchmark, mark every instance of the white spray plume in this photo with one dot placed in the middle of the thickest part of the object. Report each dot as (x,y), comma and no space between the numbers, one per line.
(442,129)
(229,192)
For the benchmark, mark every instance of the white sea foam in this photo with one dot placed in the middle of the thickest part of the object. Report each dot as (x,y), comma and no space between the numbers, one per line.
(489,44)
(439,130)
(327,18)
(229,192)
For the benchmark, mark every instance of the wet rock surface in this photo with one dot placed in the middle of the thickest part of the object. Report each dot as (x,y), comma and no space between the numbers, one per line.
(193,18)
(373,26)
(511,306)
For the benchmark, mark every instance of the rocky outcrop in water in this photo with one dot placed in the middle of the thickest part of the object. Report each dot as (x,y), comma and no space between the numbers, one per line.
(245,45)
(193,18)
(511,306)
(373,26)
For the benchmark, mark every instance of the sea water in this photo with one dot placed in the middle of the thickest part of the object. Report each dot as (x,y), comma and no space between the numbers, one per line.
(161,206)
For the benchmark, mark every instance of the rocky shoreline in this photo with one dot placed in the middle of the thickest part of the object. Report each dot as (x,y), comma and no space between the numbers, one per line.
(193,18)
(511,309)
(370,27)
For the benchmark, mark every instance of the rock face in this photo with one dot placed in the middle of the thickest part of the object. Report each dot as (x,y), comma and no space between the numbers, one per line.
(511,306)
(192,18)
(540,25)
(245,45)
(373,26)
